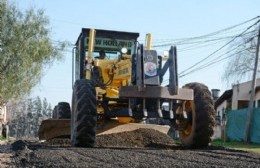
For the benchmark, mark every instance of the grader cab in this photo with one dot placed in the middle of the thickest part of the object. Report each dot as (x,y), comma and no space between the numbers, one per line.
(125,86)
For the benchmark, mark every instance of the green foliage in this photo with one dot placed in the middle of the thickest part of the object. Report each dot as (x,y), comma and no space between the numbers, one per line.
(9,140)
(25,50)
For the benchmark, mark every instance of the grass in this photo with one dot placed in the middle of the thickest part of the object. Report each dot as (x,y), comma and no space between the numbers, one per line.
(255,148)
(9,140)
(2,138)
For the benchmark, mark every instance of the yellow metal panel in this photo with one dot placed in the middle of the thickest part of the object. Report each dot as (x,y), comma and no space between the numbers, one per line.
(112,92)
(125,119)
(124,82)
(149,41)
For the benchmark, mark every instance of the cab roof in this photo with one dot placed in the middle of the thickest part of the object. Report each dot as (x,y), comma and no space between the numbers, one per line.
(112,34)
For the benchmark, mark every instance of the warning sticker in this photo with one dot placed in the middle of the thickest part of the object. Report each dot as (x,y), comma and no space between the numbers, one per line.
(150,69)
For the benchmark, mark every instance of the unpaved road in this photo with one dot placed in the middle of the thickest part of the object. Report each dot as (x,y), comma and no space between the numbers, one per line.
(139,148)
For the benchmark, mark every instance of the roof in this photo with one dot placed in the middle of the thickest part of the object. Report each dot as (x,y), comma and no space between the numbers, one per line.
(225,96)
(109,34)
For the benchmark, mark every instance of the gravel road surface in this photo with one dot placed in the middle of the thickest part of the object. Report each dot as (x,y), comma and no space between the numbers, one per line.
(138,148)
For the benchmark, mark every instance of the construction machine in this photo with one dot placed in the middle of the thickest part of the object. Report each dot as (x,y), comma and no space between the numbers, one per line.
(125,86)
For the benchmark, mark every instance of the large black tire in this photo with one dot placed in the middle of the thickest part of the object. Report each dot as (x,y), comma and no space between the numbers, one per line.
(198,127)
(63,110)
(84,114)
(54,112)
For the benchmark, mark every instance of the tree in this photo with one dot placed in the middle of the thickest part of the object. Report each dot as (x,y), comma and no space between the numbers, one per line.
(25,50)
(30,118)
(26,116)
(49,111)
(240,67)
(45,107)
(37,114)
(17,118)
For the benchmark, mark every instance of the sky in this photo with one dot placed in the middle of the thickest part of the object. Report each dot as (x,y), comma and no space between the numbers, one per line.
(164,19)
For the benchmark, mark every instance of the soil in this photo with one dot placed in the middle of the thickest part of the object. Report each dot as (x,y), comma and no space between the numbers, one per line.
(137,148)
(141,137)
(6,155)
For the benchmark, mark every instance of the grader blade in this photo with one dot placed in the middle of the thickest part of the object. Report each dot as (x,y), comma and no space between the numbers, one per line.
(53,128)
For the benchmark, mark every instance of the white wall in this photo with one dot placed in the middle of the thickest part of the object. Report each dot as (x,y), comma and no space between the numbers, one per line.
(2,114)
(218,128)
(220,108)
(217,132)
(242,92)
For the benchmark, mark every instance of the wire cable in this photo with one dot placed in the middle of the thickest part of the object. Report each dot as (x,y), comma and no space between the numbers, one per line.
(207,35)
(211,63)
(204,59)
(216,60)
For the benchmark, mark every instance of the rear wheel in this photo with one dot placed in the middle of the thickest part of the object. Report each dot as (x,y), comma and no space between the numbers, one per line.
(84,114)
(63,110)
(197,128)
(54,112)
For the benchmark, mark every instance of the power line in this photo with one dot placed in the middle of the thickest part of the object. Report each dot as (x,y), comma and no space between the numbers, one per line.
(174,41)
(216,39)
(202,44)
(209,43)
(206,65)
(204,59)
(211,63)
(206,35)
(216,60)
(231,50)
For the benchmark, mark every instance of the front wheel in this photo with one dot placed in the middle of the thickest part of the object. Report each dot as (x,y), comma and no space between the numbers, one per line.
(84,114)
(197,128)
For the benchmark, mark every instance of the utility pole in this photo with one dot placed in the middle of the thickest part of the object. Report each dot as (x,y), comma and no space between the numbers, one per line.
(252,97)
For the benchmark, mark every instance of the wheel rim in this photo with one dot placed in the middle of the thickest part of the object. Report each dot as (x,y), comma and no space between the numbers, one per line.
(189,108)
(188,129)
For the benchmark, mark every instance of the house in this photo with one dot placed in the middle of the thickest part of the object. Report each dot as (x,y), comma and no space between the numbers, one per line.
(234,99)
(223,104)
(241,95)
(3,114)
(3,121)
(238,97)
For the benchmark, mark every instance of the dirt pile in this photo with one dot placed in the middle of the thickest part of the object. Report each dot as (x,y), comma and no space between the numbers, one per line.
(141,137)
(138,138)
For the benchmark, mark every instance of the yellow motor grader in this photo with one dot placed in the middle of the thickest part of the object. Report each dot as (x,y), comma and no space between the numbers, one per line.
(125,86)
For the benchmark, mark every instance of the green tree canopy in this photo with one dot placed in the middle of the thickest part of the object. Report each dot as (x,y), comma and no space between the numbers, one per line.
(25,49)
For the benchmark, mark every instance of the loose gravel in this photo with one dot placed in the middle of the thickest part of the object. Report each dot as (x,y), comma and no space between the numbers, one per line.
(138,148)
